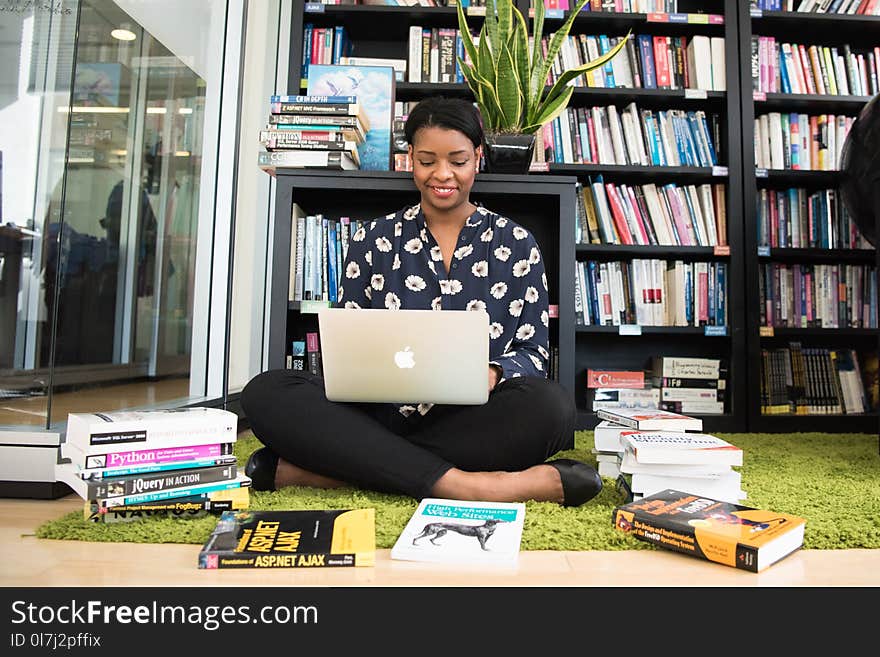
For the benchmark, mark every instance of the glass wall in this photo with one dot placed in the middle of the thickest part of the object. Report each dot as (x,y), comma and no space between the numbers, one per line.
(110,158)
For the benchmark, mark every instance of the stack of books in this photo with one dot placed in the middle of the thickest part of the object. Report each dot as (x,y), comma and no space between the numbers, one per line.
(131,464)
(697,463)
(313,132)
(608,447)
(690,385)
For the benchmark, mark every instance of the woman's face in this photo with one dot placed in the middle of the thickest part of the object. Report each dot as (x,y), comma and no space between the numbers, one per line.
(444,165)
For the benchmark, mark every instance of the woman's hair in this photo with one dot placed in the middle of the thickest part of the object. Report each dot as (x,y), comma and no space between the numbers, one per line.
(448,113)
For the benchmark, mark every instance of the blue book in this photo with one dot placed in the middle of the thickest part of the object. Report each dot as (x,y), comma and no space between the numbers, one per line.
(708,136)
(375,86)
(783,74)
(604,47)
(721,294)
(646,61)
(306,58)
(712,284)
(332,276)
(558,153)
(594,293)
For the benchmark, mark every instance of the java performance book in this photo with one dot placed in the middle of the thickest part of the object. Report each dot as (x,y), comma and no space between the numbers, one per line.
(726,533)
(291,539)
(455,531)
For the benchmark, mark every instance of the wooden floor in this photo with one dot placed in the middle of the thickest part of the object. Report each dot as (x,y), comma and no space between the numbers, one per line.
(28,561)
(32,410)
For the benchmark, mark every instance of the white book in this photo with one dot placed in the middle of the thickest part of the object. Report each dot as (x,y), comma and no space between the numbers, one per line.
(726,488)
(681,448)
(296,214)
(606,436)
(662,223)
(777,156)
(651,420)
(462,532)
(719,72)
(707,206)
(29,456)
(608,469)
(699,56)
(122,431)
(638,137)
(630,465)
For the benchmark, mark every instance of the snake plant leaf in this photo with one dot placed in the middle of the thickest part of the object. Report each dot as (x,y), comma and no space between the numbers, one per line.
(550,111)
(555,45)
(509,97)
(521,57)
(490,25)
(466,38)
(505,16)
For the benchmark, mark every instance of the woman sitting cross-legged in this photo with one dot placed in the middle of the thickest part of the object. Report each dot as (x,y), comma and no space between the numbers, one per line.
(445,253)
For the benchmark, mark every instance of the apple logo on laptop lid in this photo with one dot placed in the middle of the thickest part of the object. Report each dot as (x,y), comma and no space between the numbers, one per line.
(405,359)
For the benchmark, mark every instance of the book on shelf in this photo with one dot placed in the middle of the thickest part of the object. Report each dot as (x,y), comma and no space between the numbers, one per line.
(269,161)
(399,65)
(605,378)
(124,431)
(611,398)
(463,532)
(680,447)
(375,85)
(727,533)
(291,539)
(193,506)
(650,420)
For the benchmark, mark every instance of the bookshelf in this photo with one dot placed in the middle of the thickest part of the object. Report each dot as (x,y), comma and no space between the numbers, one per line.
(382,31)
(861,33)
(542,204)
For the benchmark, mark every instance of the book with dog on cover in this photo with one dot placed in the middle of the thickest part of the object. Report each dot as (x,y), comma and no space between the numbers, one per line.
(291,539)
(724,532)
(456,531)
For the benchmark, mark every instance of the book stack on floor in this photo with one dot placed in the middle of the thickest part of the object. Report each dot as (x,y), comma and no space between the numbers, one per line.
(313,132)
(128,465)
(690,385)
(662,450)
(716,530)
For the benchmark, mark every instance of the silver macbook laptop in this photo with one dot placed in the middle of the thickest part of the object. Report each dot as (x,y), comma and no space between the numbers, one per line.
(405,356)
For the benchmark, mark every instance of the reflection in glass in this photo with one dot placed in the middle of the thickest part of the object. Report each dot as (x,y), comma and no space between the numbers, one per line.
(100,160)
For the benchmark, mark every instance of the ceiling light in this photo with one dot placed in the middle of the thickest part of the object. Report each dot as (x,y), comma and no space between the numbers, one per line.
(123,35)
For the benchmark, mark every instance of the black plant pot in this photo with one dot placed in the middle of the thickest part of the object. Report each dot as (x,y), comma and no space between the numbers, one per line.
(509,153)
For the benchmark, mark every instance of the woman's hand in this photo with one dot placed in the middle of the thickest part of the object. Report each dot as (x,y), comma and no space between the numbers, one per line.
(494,376)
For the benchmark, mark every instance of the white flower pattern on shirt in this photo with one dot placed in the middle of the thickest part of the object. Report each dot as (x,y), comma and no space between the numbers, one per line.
(497,266)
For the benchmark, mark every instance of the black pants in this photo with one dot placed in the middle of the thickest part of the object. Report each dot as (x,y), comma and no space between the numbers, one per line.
(373,446)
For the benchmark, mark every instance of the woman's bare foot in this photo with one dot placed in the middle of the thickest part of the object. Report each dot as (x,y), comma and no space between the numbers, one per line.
(540,482)
(288,474)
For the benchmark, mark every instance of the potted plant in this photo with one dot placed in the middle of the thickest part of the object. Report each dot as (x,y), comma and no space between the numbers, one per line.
(508,80)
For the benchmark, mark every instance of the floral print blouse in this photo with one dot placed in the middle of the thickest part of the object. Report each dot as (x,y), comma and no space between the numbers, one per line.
(394,262)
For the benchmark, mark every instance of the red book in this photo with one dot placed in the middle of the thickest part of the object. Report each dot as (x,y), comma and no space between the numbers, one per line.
(617,213)
(594,147)
(615,379)
(661,62)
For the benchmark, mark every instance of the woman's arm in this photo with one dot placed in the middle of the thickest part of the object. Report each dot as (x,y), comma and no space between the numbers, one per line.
(527,353)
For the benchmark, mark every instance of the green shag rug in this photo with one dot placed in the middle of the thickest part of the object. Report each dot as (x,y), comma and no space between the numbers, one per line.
(830,479)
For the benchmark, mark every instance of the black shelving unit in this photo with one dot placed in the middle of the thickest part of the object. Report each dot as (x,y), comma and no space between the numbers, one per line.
(606,347)
(861,32)
(382,31)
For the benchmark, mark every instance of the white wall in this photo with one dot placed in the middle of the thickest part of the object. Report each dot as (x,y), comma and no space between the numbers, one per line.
(265,71)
